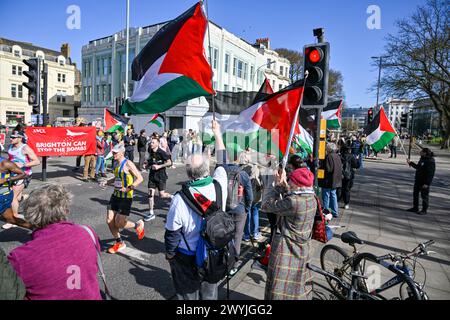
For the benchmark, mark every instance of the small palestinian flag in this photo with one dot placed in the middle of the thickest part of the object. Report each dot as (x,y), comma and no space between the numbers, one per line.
(304,139)
(114,122)
(157,120)
(379,132)
(332,113)
(172,67)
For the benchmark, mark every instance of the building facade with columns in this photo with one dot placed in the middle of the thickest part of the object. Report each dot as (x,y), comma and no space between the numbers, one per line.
(237,66)
(14,106)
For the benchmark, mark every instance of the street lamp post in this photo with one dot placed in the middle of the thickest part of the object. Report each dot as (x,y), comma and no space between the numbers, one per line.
(127,53)
(256,72)
(379,76)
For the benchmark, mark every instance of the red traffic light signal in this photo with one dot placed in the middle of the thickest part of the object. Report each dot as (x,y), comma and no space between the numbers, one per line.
(314,55)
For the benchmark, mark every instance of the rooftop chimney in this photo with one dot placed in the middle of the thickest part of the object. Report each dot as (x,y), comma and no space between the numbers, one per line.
(264,41)
(65,50)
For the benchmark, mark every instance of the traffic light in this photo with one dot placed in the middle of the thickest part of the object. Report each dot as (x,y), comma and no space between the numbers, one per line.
(34,83)
(316,64)
(404,120)
(370,115)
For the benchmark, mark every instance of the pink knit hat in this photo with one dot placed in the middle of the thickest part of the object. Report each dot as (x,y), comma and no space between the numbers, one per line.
(302,177)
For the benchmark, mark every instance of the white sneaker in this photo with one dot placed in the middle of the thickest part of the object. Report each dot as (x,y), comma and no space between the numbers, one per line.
(8,226)
(347,207)
(150,216)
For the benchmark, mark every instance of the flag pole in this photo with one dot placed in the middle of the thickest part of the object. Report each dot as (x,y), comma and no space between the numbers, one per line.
(401,143)
(210,58)
(295,123)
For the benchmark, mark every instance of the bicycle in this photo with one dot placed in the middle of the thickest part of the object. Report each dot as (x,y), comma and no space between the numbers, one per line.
(349,281)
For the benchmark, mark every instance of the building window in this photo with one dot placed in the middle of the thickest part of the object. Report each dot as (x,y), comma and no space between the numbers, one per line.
(227,62)
(61,62)
(109,93)
(280,87)
(98,93)
(16,53)
(13,90)
(13,117)
(234,66)
(287,72)
(14,70)
(66,113)
(273,84)
(64,78)
(63,96)
(61,77)
(245,71)
(58,96)
(215,55)
(19,71)
(20,91)
(104,93)
(252,73)
(225,87)
(98,66)
(281,70)
(240,66)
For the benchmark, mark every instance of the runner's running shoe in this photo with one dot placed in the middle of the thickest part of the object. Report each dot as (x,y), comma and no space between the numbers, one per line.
(140,231)
(117,247)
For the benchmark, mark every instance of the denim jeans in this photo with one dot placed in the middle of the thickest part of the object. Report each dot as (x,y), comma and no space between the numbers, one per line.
(252,223)
(100,166)
(330,201)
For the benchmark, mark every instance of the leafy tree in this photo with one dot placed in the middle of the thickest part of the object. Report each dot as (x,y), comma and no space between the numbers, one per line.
(418,60)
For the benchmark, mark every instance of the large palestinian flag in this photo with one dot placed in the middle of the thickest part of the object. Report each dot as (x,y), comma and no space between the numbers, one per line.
(265,126)
(333,114)
(172,67)
(114,122)
(379,132)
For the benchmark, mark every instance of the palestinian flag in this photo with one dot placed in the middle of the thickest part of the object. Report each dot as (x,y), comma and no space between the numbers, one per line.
(265,126)
(172,67)
(264,91)
(379,132)
(114,122)
(304,139)
(157,120)
(333,114)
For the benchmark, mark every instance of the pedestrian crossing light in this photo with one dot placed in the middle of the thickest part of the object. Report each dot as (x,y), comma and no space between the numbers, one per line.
(316,66)
(404,120)
(34,83)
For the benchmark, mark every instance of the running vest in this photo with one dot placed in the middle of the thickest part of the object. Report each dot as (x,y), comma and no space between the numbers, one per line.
(122,180)
(4,188)
(17,156)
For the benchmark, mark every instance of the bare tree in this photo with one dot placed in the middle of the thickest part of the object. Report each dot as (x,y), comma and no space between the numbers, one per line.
(418,60)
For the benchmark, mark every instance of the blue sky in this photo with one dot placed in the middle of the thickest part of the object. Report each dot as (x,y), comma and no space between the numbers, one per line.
(288,23)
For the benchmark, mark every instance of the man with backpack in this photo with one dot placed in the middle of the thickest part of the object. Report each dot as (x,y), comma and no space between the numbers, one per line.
(239,202)
(349,164)
(251,230)
(190,243)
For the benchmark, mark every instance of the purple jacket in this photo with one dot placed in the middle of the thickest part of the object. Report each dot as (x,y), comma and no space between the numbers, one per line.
(60,263)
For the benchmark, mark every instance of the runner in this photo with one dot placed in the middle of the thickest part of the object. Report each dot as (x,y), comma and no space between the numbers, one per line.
(9,172)
(126,179)
(157,163)
(24,157)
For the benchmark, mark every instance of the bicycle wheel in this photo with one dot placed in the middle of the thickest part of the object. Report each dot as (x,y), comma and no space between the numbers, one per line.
(333,259)
(378,277)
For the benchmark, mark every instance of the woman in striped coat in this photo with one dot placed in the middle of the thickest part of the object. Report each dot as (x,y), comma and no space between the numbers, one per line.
(295,205)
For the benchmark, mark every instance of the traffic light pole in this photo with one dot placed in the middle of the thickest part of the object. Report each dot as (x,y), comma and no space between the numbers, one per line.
(411,134)
(44,116)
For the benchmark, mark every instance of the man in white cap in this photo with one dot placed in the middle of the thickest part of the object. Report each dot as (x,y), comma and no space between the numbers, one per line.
(126,178)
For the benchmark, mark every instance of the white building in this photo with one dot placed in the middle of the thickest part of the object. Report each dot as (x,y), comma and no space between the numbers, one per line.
(14,106)
(394,109)
(237,66)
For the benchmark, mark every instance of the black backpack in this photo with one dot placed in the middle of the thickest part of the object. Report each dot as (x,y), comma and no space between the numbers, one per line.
(346,168)
(234,182)
(218,232)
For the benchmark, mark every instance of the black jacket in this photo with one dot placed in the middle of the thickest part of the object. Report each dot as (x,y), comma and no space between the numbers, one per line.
(349,160)
(11,286)
(333,172)
(425,170)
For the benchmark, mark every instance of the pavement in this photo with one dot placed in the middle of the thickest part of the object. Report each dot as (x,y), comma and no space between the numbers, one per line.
(380,196)
(382,192)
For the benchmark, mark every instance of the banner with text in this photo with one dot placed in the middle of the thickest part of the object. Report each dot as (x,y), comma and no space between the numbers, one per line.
(62,141)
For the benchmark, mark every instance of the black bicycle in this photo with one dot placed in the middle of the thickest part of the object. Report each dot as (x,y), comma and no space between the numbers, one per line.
(360,276)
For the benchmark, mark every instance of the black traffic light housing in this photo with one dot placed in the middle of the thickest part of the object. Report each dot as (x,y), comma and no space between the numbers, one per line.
(404,120)
(34,83)
(370,115)
(316,64)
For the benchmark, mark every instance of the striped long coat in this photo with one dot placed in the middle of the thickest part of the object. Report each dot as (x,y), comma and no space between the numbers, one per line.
(287,276)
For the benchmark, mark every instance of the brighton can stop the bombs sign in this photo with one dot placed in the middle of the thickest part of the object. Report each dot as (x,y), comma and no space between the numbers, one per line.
(62,141)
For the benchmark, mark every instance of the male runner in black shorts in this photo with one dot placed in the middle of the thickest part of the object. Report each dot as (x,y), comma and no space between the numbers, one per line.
(157,163)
